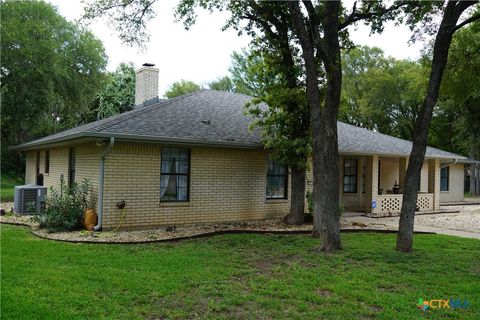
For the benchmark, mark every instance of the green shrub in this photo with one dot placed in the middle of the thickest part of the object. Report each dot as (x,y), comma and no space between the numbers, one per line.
(309,214)
(64,207)
(341,209)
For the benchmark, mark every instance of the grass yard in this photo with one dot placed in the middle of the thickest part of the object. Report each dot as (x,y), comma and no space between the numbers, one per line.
(7,186)
(237,276)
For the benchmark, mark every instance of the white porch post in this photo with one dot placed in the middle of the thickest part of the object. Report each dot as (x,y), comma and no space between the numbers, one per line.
(371,193)
(434,181)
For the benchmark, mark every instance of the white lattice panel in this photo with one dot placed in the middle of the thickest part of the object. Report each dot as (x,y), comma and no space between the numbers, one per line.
(393,204)
(424,202)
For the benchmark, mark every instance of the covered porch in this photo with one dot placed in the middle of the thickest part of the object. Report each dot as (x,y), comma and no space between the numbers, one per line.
(374,184)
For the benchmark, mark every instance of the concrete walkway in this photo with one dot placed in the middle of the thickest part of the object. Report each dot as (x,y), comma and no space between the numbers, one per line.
(465,223)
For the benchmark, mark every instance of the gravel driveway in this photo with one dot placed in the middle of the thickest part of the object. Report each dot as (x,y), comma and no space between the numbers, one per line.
(468,219)
(465,223)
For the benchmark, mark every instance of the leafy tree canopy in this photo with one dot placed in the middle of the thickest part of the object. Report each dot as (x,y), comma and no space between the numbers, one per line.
(181,87)
(456,122)
(381,93)
(117,94)
(222,84)
(51,71)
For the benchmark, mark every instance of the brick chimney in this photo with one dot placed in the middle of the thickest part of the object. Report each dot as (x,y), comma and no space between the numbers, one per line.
(146,85)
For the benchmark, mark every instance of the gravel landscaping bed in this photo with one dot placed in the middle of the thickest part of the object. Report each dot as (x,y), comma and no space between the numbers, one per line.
(179,232)
(468,219)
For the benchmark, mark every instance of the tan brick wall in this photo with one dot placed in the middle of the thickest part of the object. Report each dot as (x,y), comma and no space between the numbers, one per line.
(146,84)
(30,167)
(58,167)
(424,178)
(225,185)
(86,166)
(455,184)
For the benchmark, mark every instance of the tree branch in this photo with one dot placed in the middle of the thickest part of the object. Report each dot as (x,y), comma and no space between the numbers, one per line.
(367,14)
(467,21)
(266,27)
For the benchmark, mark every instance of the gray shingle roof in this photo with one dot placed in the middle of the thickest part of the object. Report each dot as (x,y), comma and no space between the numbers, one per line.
(217,118)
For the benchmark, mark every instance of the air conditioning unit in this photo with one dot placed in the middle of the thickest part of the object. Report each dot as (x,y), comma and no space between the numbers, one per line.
(29,199)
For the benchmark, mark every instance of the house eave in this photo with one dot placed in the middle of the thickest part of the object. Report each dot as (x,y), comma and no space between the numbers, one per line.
(136,138)
(393,154)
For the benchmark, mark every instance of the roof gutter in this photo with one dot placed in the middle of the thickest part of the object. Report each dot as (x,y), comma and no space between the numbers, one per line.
(449,164)
(392,154)
(142,138)
(101,182)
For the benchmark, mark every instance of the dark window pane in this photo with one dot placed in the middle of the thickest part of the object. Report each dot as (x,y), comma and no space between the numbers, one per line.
(350,176)
(47,161)
(175,165)
(444,178)
(182,166)
(277,179)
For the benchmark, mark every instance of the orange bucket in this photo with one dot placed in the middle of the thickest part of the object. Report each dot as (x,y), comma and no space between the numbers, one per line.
(90,219)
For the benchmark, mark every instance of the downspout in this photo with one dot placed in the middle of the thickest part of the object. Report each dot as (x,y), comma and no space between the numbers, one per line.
(449,164)
(100,183)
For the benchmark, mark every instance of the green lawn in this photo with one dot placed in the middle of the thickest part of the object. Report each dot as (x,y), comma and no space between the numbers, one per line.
(8,183)
(237,276)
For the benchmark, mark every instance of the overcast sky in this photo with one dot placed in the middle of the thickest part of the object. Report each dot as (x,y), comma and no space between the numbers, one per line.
(202,54)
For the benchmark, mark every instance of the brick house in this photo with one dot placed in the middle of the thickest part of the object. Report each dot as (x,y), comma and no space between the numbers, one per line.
(192,159)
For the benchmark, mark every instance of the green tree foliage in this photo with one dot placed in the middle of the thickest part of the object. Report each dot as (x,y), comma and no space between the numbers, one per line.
(385,94)
(250,75)
(381,93)
(181,87)
(456,125)
(117,94)
(51,71)
(222,84)
(285,132)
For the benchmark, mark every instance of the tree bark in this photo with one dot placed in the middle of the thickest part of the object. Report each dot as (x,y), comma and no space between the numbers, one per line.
(452,13)
(326,218)
(297,201)
(477,180)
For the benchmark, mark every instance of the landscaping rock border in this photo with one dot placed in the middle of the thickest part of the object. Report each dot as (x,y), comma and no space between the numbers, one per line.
(184,232)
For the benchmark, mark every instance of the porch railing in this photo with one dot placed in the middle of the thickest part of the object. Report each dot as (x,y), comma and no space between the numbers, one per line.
(393,202)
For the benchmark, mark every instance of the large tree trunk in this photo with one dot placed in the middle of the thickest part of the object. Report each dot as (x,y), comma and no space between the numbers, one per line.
(477,180)
(326,218)
(297,202)
(325,186)
(417,155)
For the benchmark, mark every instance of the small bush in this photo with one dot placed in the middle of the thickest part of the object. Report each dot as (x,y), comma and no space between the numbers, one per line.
(309,214)
(64,207)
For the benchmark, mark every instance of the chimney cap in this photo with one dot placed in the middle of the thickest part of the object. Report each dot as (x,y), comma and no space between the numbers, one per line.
(147,64)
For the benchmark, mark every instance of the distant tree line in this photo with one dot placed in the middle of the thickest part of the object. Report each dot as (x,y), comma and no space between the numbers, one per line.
(53,77)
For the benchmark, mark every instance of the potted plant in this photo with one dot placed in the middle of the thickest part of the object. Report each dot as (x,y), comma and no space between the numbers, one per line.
(396,188)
